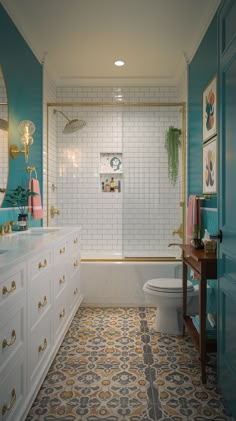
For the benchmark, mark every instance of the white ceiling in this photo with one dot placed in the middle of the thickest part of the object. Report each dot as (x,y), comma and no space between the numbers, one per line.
(80,39)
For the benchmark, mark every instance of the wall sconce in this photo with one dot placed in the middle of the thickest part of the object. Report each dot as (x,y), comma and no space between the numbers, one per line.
(26,128)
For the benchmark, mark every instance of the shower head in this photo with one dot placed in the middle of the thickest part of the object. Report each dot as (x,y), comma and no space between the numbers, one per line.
(3,124)
(73,125)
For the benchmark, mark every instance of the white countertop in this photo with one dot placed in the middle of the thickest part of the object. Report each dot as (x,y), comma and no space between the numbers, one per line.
(16,246)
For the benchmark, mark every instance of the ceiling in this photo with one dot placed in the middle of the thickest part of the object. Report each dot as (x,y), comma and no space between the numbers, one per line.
(79,39)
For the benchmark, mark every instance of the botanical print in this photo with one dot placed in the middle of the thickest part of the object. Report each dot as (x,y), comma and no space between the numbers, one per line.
(210,167)
(209,110)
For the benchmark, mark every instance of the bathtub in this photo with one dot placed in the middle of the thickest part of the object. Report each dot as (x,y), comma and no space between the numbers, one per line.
(119,282)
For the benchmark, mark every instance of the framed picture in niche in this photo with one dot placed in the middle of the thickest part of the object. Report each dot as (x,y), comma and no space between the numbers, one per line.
(209,167)
(209,110)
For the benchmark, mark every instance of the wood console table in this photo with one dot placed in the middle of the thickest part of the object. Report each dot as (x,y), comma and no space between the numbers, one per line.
(204,266)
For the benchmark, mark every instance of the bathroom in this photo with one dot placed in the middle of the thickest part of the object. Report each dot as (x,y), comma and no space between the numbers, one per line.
(122,243)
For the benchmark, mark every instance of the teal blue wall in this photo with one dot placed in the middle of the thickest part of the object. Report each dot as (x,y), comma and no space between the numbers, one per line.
(201,70)
(23,76)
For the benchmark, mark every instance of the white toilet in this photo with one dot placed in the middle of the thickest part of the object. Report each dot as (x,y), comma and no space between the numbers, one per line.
(167,297)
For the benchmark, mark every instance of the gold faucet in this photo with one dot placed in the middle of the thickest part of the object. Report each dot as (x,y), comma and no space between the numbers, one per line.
(54,211)
(179,231)
(7,227)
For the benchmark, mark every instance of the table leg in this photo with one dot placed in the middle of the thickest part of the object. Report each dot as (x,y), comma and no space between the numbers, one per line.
(202,321)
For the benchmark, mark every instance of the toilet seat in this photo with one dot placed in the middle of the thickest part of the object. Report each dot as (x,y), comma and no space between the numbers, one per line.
(168,285)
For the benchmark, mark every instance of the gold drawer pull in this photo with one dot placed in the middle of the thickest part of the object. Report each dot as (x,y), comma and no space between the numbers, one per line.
(42,265)
(76,263)
(76,291)
(40,304)
(6,407)
(42,348)
(62,280)
(62,250)
(13,338)
(9,291)
(62,314)
(76,241)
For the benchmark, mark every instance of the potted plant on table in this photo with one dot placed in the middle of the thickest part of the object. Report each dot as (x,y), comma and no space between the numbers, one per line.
(19,198)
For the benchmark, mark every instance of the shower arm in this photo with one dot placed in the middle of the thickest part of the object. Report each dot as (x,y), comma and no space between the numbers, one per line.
(58,111)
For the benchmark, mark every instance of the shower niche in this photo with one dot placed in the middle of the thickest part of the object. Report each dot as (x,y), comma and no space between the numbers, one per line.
(110,172)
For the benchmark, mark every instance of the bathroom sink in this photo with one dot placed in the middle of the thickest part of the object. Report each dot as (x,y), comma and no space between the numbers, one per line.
(41,231)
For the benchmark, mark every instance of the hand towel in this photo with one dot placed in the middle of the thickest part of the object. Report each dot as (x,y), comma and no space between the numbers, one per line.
(34,202)
(193,216)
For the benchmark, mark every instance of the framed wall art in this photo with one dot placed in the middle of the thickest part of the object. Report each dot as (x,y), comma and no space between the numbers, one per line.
(209,167)
(209,110)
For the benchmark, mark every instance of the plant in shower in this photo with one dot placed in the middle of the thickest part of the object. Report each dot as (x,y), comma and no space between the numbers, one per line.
(172,145)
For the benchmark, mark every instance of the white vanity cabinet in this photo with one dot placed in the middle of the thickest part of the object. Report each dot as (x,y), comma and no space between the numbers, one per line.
(38,300)
(13,341)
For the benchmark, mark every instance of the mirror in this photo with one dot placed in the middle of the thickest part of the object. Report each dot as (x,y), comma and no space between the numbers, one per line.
(4,160)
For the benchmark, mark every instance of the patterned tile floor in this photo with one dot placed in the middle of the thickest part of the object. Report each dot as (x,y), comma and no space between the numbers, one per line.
(113,366)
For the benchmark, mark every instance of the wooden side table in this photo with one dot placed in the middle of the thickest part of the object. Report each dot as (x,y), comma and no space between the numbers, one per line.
(204,267)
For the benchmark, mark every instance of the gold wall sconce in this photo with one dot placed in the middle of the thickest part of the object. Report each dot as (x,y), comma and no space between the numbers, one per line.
(27,129)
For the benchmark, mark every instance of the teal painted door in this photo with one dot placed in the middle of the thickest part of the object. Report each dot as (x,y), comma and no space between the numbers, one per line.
(227,204)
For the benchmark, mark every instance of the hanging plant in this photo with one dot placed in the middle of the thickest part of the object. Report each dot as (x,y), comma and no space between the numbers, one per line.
(172,145)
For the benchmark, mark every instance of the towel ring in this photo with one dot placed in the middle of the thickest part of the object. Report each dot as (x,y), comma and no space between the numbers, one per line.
(31,170)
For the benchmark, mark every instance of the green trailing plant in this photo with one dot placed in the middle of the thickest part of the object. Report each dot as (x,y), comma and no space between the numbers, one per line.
(19,198)
(172,145)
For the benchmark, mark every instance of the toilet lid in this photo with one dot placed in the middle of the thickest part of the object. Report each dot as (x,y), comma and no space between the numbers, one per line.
(168,285)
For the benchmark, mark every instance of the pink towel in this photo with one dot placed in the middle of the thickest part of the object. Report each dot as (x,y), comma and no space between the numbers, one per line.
(194,217)
(34,202)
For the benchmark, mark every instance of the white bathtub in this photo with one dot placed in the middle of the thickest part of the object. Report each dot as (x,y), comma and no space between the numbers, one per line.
(119,283)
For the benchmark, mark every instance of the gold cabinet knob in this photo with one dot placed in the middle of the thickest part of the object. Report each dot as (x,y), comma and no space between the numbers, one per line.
(62,313)
(42,348)
(7,407)
(6,344)
(62,280)
(10,290)
(76,263)
(62,250)
(76,241)
(42,265)
(42,304)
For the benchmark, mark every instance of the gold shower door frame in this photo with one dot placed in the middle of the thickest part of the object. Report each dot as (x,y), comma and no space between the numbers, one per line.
(182,109)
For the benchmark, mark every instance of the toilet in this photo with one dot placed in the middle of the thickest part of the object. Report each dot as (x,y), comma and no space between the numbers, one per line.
(167,297)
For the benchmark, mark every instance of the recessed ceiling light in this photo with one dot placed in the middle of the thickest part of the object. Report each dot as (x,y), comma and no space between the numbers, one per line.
(119,62)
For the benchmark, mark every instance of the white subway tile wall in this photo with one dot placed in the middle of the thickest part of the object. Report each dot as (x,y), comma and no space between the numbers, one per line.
(140,220)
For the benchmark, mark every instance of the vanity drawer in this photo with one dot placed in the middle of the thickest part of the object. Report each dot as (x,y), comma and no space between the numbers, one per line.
(61,251)
(61,313)
(74,291)
(13,389)
(40,264)
(40,299)
(12,286)
(40,345)
(73,264)
(12,333)
(74,242)
(60,281)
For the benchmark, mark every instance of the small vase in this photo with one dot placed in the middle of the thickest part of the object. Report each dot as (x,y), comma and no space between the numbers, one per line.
(23,221)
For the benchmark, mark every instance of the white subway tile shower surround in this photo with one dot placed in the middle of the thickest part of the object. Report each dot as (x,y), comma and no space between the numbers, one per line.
(139,220)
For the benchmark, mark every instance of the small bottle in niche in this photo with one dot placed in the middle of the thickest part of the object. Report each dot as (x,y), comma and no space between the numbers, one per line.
(103,187)
(112,184)
(107,186)
(119,186)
